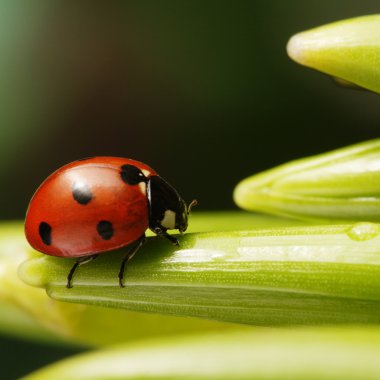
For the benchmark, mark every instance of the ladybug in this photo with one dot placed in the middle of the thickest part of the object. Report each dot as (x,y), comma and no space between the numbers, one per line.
(100,204)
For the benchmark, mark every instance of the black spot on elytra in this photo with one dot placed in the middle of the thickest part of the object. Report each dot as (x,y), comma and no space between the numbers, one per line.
(81,193)
(105,229)
(45,232)
(132,175)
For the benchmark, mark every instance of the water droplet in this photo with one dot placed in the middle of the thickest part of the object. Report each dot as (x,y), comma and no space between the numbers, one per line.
(363,231)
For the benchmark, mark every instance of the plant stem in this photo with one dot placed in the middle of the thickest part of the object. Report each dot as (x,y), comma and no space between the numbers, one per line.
(276,276)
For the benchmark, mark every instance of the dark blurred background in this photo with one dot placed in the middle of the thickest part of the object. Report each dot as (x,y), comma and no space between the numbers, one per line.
(203,91)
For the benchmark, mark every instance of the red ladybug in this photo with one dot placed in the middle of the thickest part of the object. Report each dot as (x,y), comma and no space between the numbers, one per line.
(100,204)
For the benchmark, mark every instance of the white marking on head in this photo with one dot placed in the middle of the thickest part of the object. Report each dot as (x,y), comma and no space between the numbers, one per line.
(142,187)
(169,220)
(147,173)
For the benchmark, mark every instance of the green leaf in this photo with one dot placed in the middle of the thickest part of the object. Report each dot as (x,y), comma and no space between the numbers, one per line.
(29,313)
(340,185)
(275,276)
(348,49)
(262,354)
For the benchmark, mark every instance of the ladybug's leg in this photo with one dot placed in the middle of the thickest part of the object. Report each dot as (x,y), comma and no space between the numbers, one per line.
(171,238)
(128,257)
(79,262)
(163,233)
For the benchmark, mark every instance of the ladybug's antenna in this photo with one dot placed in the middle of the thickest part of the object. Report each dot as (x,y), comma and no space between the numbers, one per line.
(193,203)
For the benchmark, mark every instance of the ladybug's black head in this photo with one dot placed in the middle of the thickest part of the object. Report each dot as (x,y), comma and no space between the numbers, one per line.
(167,210)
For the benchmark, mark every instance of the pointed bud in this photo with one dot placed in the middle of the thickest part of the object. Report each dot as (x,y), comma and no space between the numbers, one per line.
(339,185)
(348,49)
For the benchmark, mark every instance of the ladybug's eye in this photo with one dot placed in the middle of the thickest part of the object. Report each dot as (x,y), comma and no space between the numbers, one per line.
(132,175)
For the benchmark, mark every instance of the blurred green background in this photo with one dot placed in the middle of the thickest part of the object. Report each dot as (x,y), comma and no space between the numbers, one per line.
(203,91)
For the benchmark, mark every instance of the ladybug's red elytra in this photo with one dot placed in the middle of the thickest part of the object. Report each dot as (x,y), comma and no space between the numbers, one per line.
(100,204)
